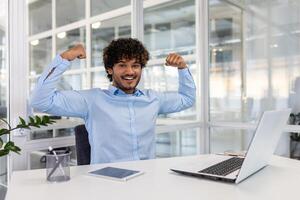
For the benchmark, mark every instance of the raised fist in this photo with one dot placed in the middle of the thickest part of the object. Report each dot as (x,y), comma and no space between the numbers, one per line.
(175,60)
(77,51)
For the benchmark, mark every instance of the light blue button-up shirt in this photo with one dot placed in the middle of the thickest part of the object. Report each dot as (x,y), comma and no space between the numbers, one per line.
(121,126)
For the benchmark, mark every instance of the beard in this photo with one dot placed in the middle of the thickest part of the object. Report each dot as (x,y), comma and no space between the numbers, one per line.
(128,86)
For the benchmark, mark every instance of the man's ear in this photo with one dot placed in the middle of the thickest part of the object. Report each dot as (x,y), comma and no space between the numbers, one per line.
(109,71)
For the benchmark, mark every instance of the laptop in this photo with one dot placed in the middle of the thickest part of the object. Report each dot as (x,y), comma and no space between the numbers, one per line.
(237,168)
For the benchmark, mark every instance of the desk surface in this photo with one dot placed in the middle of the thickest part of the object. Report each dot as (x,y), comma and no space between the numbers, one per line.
(280,180)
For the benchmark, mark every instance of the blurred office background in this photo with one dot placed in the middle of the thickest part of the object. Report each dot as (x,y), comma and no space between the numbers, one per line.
(244,56)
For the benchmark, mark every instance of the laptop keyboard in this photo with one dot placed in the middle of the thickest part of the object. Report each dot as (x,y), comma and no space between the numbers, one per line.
(225,167)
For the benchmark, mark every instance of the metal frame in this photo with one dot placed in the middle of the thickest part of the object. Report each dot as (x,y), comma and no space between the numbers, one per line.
(82,23)
(137,19)
(202,50)
(6,49)
(17,71)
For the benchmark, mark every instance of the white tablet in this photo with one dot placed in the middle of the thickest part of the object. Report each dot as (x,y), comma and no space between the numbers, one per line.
(115,173)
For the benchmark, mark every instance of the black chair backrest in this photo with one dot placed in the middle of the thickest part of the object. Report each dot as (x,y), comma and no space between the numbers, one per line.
(83,148)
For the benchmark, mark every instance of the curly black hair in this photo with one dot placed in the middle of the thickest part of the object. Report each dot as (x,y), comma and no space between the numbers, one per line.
(124,48)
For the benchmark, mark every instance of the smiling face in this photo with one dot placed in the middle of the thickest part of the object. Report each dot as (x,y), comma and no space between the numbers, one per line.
(126,74)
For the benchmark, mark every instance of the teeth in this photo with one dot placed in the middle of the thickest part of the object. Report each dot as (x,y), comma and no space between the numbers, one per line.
(128,78)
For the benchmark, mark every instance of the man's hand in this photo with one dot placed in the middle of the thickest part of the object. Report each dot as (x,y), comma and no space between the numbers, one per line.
(175,60)
(77,51)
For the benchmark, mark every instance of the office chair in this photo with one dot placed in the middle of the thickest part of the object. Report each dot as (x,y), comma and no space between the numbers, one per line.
(83,148)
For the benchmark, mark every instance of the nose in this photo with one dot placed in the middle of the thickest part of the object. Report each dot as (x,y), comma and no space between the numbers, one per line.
(129,70)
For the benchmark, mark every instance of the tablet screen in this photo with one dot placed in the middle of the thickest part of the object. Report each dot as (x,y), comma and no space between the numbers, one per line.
(114,172)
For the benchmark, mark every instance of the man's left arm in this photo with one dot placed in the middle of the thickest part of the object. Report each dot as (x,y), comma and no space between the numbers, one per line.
(185,97)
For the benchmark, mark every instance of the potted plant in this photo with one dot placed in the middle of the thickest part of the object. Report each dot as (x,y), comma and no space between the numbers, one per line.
(36,121)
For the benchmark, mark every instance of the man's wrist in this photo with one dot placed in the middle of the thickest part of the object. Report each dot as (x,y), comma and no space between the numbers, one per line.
(182,67)
(61,63)
(65,55)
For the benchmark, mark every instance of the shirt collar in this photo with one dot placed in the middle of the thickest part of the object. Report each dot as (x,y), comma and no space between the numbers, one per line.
(118,92)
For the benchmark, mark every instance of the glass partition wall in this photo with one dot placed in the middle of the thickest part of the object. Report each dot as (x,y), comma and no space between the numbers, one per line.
(94,24)
(165,24)
(254,64)
(253,49)
(4,74)
(253,57)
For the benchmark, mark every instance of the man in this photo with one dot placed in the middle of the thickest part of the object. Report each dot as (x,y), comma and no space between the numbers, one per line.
(121,120)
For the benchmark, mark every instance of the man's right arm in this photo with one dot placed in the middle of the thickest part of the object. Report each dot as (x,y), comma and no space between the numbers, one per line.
(47,99)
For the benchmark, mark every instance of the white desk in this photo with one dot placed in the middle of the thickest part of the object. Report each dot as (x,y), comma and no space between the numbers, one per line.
(280,180)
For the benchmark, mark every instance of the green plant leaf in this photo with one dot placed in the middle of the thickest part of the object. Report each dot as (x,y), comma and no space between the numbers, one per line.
(3,152)
(9,144)
(38,120)
(22,121)
(31,120)
(3,131)
(45,119)
(35,121)
(35,125)
(15,149)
